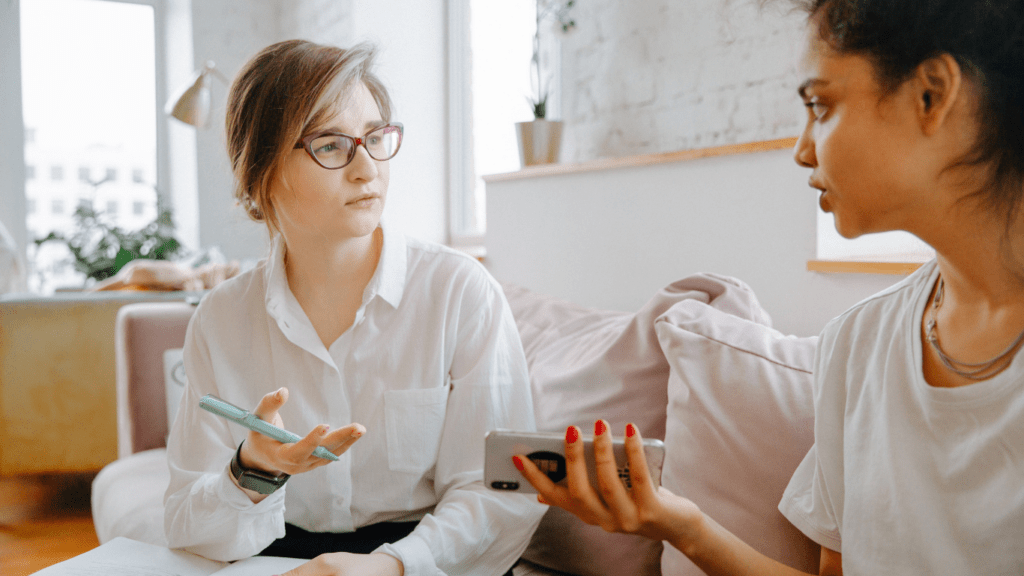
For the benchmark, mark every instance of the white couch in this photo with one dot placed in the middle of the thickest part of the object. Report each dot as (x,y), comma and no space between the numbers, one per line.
(698,366)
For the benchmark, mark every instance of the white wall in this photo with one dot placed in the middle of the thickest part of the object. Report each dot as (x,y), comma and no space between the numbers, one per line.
(229,33)
(642,77)
(611,238)
(412,41)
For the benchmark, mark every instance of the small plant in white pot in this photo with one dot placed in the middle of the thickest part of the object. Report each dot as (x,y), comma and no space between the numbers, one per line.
(540,139)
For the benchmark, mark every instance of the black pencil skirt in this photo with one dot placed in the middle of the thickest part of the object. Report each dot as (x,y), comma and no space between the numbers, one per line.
(299,543)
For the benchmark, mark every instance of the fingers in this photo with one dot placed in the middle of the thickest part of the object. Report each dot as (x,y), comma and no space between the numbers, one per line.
(608,481)
(270,404)
(547,490)
(340,440)
(643,484)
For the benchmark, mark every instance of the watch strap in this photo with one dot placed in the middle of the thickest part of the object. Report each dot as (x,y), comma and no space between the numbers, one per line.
(253,479)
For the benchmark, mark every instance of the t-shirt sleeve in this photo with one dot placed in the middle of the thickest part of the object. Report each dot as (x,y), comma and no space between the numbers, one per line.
(806,504)
(813,500)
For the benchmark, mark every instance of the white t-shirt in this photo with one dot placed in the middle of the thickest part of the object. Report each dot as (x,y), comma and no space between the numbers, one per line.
(432,363)
(904,477)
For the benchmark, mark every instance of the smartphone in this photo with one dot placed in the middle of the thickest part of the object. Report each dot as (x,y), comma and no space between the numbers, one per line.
(547,451)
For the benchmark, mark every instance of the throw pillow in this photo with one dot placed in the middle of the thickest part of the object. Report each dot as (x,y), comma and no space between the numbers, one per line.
(740,420)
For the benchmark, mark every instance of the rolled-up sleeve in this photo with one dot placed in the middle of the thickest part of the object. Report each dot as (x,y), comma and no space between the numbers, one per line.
(473,530)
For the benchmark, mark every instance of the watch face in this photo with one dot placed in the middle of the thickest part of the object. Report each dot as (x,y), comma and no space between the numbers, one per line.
(260,483)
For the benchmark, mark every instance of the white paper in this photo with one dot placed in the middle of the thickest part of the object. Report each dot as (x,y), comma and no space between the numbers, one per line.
(126,557)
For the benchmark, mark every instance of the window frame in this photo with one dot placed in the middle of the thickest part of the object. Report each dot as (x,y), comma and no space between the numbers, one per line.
(12,126)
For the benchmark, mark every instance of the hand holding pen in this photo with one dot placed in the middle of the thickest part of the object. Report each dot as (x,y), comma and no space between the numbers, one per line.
(289,453)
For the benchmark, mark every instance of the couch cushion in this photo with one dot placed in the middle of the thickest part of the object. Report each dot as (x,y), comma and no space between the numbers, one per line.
(740,420)
(128,498)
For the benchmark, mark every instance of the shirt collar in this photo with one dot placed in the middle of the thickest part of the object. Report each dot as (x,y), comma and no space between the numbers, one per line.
(388,279)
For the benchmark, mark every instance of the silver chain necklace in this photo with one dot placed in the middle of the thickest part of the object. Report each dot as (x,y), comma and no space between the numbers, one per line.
(979,371)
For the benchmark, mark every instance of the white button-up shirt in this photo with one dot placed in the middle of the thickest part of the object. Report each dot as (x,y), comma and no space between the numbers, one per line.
(431,363)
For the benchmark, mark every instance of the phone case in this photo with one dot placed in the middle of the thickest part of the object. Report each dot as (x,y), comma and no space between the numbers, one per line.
(547,451)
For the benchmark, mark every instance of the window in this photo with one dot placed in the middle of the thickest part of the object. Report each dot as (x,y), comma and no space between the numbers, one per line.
(881,247)
(138,208)
(138,176)
(487,104)
(85,203)
(30,206)
(114,50)
(111,208)
(30,172)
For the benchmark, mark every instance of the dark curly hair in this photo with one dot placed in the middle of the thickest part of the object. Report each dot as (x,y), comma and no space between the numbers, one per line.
(986,37)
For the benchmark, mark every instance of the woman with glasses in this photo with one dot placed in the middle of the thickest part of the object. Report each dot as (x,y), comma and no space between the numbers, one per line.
(408,348)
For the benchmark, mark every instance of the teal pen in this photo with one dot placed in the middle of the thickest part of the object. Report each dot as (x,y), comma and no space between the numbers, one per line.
(211,403)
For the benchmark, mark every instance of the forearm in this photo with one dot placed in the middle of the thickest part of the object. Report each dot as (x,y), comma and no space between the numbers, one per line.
(471,530)
(717,551)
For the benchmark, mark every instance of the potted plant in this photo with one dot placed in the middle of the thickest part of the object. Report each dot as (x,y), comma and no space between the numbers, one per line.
(100,249)
(540,139)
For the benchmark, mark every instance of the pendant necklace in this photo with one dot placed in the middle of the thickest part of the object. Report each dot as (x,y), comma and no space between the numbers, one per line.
(979,371)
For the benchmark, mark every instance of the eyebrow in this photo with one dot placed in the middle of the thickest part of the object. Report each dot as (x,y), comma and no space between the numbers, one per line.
(810,83)
(368,127)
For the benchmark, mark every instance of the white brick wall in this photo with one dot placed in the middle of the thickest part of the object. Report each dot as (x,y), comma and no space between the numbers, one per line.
(650,76)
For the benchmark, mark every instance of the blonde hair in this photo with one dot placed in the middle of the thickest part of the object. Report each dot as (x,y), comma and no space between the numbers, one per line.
(282,93)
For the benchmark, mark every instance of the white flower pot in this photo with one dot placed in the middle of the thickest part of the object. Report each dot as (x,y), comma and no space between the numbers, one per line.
(539,141)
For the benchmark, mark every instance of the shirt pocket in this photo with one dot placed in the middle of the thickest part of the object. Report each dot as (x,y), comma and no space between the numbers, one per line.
(414,420)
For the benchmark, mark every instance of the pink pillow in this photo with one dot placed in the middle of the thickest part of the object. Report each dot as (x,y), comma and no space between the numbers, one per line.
(740,420)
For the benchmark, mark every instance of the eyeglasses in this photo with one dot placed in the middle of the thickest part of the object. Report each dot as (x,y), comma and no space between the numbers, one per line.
(334,150)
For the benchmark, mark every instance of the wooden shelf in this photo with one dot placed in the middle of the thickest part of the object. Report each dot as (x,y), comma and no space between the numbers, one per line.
(901,268)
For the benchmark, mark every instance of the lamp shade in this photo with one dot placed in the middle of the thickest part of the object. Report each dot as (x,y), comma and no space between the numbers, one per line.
(191,104)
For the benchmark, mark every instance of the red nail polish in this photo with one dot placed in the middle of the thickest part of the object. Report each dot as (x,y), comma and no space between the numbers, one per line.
(572,435)
(518,462)
(599,427)
(630,430)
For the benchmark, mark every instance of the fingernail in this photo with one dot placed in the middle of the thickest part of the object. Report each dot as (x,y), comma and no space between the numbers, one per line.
(518,462)
(599,427)
(325,428)
(572,435)
(630,430)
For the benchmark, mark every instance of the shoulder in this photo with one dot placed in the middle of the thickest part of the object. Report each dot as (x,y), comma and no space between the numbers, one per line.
(446,267)
(886,308)
(234,299)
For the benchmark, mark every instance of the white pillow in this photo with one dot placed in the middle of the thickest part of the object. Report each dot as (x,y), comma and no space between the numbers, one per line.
(174,381)
(740,420)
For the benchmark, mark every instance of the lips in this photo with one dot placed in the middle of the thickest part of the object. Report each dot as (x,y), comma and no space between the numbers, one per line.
(362,198)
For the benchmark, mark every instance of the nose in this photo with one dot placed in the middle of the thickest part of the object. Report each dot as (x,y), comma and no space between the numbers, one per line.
(362,168)
(803,152)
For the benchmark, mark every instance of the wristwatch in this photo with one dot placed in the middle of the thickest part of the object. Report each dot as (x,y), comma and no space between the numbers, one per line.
(255,480)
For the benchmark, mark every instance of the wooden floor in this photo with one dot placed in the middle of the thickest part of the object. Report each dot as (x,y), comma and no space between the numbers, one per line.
(43,520)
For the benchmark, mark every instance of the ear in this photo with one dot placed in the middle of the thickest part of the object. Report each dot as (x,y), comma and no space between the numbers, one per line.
(938,84)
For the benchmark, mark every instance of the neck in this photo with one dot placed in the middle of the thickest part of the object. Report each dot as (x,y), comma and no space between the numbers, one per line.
(315,265)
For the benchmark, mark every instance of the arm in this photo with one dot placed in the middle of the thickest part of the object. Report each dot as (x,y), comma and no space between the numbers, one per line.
(206,511)
(472,526)
(655,513)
